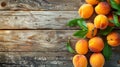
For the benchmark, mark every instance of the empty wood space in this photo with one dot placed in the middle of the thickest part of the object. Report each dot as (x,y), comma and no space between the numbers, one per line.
(33,33)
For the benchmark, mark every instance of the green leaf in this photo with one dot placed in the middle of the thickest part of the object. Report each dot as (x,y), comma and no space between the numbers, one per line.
(73,22)
(69,48)
(80,33)
(106,31)
(82,24)
(114,5)
(111,21)
(117,12)
(116,21)
(107,51)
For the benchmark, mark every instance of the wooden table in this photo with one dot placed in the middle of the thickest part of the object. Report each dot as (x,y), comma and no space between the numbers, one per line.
(33,33)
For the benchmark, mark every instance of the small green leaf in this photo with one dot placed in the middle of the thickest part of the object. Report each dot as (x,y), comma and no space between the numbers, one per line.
(80,33)
(117,12)
(73,22)
(107,51)
(116,21)
(111,21)
(82,24)
(114,5)
(69,48)
(106,31)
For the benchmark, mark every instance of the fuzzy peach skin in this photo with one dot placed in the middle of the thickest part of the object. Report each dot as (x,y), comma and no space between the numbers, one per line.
(101,21)
(80,61)
(102,8)
(86,11)
(81,46)
(113,39)
(92,31)
(92,2)
(96,44)
(97,60)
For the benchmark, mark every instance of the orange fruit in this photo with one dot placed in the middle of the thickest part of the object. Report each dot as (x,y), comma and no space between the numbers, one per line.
(102,8)
(101,21)
(96,44)
(86,11)
(81,46)
(97,60)
(80,61)
(113,39)
(92,31)
(92,2)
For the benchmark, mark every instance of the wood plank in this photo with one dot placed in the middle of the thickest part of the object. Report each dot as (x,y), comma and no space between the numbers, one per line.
(34,40)
(35,59)
(51,59)
(40,4)
(36,19)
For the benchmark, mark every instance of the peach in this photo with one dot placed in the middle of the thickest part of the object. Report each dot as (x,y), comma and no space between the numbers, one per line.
(80,61)
(97,60)
(113,39)
(86,11)
(81,46)
(92,2)
(101,21)
(102,8)
(92,31)
(96,44)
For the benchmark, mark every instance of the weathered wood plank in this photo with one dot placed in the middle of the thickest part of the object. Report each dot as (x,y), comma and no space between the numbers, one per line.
(35,59)
(51,59)
(36,19)
(34,40)
(40,4)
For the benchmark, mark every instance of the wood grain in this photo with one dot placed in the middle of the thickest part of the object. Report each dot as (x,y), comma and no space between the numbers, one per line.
(36,19)
(34,40)
(40,5)
(47,59)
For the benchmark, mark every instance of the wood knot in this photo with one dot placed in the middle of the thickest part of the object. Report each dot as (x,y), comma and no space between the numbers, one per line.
(3,4)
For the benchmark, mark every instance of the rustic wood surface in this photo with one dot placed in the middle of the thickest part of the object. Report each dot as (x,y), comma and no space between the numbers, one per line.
(36,19)
(34,40)
(34,48)
(64,5)
(33,33)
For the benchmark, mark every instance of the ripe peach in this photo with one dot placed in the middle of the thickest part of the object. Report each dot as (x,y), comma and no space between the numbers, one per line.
(81,46)
(92,2)
(92,31)
(86,11)
(113,39)
(80,61)
(97,60)
(96,44)
(102,8)
(101,21)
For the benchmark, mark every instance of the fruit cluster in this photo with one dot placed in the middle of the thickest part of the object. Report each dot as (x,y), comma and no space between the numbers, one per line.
(97,37)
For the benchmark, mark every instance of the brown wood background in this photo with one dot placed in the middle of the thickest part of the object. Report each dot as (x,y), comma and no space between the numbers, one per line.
(33,33)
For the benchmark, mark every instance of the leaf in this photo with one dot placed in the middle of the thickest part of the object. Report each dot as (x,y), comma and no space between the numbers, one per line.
(116,21)
(69,48)
(73,22)
(107,51)
(80,33)
(82,24)
(117,12)
(106,31)
(114,5)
